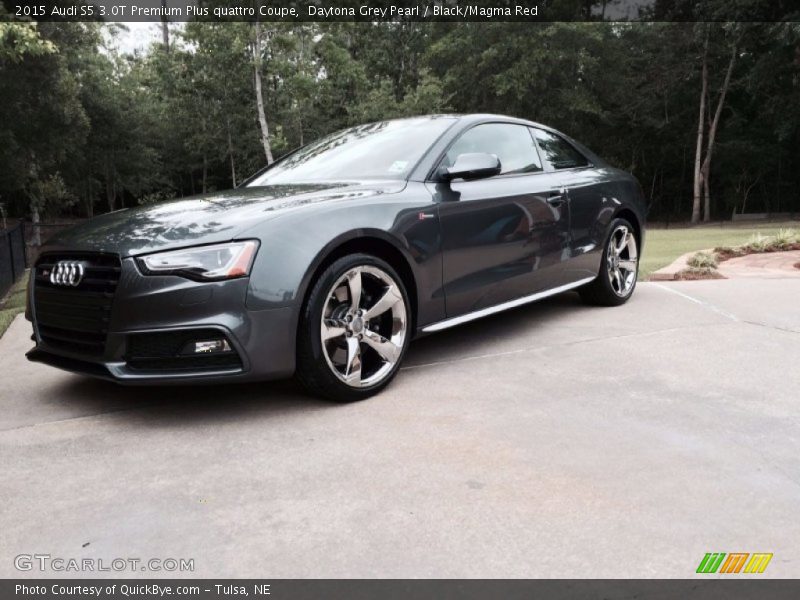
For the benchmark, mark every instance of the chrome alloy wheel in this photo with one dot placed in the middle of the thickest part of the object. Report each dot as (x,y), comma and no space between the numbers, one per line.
(622,261)
(364,326)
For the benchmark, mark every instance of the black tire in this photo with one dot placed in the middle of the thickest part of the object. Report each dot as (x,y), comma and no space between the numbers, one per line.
(314,371)
(602,291)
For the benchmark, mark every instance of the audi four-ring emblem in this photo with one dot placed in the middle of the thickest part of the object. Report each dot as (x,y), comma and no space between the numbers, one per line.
(67,272)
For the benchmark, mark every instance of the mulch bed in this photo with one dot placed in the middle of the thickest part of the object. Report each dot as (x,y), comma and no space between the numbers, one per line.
(724,254)
(696,275)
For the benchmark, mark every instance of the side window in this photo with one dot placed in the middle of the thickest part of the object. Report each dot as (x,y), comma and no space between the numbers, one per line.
(512,144)
(558,152)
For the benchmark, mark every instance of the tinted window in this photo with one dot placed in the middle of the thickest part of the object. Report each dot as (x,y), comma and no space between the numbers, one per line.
(385,150)
(558,152)
(512,144)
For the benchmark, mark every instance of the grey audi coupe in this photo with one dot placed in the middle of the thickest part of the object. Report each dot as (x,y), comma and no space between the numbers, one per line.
(327,263)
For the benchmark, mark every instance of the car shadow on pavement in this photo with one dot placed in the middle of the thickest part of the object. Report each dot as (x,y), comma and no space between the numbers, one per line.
(475,336)
(174,405)
(181,404)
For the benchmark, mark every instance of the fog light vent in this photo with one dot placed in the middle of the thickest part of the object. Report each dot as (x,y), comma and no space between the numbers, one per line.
(207,347)
(186,349)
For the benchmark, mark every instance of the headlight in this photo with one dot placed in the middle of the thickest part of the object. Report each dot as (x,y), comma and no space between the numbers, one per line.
(205,263)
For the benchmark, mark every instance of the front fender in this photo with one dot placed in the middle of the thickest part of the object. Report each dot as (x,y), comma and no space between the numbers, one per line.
(293,247)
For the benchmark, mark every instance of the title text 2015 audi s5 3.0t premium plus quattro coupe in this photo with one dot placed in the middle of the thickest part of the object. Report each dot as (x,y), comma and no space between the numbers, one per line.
(328,262)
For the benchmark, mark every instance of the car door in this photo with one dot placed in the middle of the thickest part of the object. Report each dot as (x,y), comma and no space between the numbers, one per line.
(589,194)
(506,236)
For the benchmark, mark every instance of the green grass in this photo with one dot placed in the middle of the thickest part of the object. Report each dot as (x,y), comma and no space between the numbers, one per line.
(13,303)
(662,246)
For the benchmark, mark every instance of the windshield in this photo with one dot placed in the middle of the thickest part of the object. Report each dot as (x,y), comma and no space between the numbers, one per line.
(384,150)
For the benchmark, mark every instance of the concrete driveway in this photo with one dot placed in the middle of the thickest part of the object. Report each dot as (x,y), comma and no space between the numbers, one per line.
(552,441)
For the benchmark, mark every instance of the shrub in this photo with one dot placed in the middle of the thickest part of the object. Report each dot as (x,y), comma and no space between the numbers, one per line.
(785,238)
(758,243)
(155,198)
(703,260)
(726,252)
(692,273)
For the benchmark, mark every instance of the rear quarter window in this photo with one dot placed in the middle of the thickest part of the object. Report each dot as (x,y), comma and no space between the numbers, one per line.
(558,152)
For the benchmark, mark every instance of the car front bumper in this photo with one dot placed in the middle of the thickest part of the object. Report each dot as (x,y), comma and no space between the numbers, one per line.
(264,340)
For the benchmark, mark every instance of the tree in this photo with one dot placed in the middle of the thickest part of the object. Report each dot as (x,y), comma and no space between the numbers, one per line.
(698,157)
(702,168)
(712,134)
(19,40)
(257,62)
(85,128)
(164,27)
(45,123)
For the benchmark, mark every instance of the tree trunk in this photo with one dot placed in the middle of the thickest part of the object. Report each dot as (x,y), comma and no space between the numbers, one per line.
(89,199)
(111,196)
(230,152)
(712,129)
(778,181)
(262,117)
(164,28)
(747,193)
(205,172)
(110,191)
(698,182)
(36,237)
(300,123)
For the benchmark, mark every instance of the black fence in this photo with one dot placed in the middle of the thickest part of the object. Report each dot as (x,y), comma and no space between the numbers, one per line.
(12,256)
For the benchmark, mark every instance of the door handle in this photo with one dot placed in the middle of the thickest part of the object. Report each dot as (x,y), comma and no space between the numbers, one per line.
(557,197)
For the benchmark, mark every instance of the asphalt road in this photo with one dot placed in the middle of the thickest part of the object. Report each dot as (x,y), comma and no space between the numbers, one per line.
(555,440)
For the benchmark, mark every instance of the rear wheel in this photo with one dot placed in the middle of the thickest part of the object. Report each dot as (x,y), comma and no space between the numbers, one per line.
(354,330)
(619,269)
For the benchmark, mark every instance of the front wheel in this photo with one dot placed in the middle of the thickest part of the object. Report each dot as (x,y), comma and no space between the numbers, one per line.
(619,269)
(354,329)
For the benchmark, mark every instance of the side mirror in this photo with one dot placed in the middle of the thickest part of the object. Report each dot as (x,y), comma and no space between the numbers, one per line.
(474,165)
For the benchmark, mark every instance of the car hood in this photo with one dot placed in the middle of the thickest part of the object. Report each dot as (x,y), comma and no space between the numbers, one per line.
(205,219)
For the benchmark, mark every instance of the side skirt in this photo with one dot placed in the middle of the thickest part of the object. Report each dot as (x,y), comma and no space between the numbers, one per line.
(485,312)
